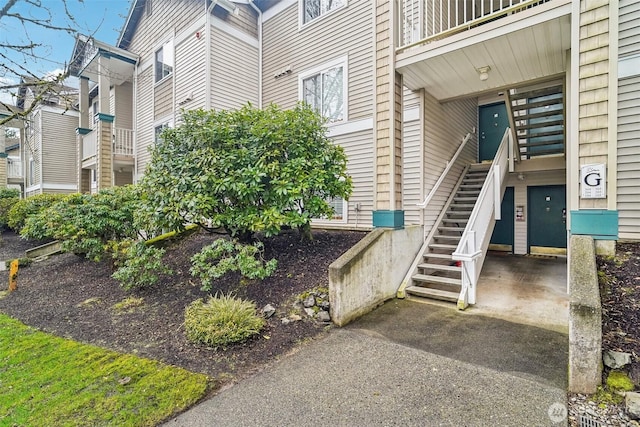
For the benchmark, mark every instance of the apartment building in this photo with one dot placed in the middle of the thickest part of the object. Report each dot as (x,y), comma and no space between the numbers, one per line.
(504,124)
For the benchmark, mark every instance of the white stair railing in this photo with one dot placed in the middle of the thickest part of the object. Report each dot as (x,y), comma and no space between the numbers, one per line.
(475,239)
(444,174)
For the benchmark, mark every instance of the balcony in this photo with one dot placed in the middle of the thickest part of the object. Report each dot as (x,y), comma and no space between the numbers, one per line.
(14,169)
(121,149)
(445,45)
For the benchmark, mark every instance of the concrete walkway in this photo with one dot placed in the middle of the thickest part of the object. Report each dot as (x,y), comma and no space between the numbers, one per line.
(406,364)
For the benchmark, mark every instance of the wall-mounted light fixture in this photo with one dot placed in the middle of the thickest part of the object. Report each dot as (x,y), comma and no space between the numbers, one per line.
(521,176)
(483,73)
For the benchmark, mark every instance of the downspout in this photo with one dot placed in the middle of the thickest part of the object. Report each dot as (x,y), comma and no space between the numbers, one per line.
(259,52)
(207,65)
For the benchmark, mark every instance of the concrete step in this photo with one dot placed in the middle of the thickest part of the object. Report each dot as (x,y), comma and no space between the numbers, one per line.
(441,267)
(427,278)
(433,293)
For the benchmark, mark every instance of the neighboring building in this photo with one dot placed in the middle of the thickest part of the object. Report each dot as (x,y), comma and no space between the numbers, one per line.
(546,90)
(10,156)
(49,141)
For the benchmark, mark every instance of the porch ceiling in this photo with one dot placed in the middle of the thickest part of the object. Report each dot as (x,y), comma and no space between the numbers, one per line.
(118,70)
(522,47)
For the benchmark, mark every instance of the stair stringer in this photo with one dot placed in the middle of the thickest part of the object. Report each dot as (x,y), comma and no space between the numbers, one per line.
(401,292)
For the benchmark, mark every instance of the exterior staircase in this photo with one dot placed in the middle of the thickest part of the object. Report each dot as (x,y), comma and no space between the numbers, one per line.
(537,121)
(438,276)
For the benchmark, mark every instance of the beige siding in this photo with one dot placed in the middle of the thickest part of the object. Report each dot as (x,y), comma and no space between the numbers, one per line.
(348,31)
(122,178)
(358,147)
(629,27)
(234,71)
(33,140)
(123,106)
(168,17)
(246,20)
(445,127)
(520,242)
(628,182)
(190,73)
(163,98)
(59,148)
(411,188)
(144,118)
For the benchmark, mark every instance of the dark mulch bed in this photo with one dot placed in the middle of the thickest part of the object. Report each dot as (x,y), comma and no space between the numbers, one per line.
(75,298)
(620,292)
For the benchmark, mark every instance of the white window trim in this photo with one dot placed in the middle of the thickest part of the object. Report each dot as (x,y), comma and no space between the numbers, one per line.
(161,122)
(343,220)
(153,59)
(302,25)
(344,62)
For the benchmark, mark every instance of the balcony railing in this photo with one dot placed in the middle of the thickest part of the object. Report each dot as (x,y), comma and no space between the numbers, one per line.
(423,21)
(123,142)
(14,168)
(89,145)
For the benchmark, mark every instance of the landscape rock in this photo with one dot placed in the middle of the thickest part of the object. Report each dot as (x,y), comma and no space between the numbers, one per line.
(616,359)
(295,317)
(310,311)
(325,305)
(285,320)
(323,316)
(632,405)
(268,311)
(309,301)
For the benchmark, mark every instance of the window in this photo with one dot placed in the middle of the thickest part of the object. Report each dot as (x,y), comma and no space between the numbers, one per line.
(164,61)
(339,206)
(157,131)
(32,171)
(325,91)
(313,9)
(148,7)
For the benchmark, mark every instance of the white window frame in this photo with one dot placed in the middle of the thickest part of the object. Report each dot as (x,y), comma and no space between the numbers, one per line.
(301,10)
(328,221)
(343,62)
(165,123)
(167,46)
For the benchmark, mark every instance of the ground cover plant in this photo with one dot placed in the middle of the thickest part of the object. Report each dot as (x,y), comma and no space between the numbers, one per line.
(47,380)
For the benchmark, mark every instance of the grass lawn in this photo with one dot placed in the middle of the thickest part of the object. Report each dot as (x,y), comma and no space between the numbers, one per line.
(46,380)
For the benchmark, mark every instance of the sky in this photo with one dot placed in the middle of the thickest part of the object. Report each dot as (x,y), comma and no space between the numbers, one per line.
(103,19)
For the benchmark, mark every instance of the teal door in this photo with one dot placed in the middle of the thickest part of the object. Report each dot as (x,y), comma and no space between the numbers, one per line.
(547,216)
(492,122)
(503,230)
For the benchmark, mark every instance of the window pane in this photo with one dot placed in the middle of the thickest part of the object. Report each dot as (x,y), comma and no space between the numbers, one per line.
(332,102)
(164,61)
(312,92)
(311,10)
(329,5)
(338,205)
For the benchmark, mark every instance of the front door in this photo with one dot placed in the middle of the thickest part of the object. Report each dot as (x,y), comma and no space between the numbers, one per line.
(492,122)
(502,237)
(547,229)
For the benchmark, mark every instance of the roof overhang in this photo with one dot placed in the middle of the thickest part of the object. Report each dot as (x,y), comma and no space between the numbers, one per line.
(87,53)
(523,47)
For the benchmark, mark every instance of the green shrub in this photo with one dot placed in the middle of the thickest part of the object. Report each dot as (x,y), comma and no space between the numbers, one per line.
(223,255)
(6,204)
(221,321)
(139,265)
(33,205)
(9,193)
(86,223)
(247,170)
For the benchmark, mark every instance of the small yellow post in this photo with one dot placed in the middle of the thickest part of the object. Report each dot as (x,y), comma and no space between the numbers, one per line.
(13,275)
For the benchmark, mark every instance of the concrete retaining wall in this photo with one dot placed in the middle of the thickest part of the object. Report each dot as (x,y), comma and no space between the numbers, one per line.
(370,272)
(585,318)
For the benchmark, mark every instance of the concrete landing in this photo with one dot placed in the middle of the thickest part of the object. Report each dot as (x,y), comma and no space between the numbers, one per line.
(405,364)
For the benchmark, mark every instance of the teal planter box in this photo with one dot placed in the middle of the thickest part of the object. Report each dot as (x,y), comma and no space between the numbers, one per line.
(600,224)
(388,219)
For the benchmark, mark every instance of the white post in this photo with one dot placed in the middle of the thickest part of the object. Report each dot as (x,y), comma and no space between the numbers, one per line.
(470,267)
(496,192)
